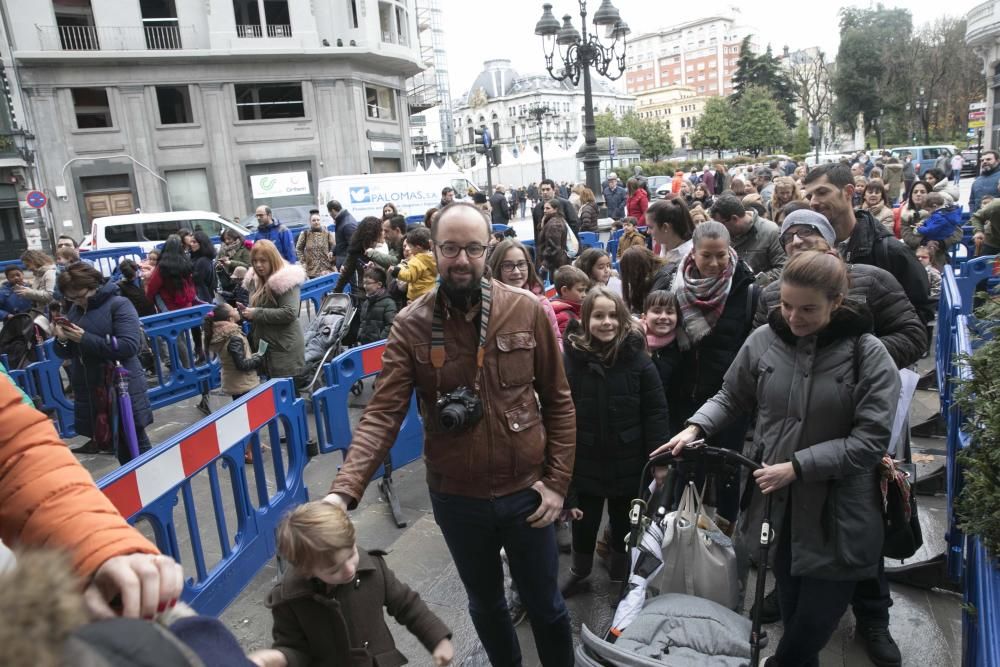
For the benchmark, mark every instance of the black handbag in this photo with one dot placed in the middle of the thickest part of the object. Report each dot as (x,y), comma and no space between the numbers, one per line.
(899,512)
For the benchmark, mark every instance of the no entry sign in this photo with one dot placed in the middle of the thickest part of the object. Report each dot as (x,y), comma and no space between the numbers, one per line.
(36,199)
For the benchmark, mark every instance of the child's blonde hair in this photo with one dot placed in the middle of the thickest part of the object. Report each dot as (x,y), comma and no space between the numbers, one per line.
(309,535)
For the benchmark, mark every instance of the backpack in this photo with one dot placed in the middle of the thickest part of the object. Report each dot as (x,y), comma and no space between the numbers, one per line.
(17,341)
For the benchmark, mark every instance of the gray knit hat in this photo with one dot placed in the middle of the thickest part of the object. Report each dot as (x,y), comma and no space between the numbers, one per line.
(811,218)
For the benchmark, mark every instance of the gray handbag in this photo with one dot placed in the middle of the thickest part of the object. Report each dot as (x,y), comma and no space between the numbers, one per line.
(698,558)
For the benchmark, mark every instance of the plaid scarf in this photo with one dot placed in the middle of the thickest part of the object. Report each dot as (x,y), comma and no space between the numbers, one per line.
(702,300)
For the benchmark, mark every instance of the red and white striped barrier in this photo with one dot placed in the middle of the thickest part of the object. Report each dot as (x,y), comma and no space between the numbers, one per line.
(172,466)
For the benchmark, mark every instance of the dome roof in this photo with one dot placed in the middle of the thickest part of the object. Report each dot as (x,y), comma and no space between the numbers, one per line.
(496,80)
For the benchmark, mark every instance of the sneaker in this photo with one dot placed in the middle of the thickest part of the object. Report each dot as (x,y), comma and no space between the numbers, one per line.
(879,645)
(89,447)
(769,610)
(517,612)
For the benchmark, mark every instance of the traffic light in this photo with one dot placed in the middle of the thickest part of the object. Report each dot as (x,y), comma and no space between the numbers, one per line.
(483,140)
(495,154)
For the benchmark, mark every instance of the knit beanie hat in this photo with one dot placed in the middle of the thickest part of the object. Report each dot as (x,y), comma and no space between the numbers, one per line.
(811,218)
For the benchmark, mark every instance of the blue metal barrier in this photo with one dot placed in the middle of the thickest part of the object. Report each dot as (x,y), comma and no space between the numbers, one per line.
(178,374)
(42,381)
(106,261)
(148,489)
(590,240)
(500,228)
(333,423)
(314,290)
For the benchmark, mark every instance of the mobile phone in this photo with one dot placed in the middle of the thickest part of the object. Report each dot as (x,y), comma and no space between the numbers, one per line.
(62,321)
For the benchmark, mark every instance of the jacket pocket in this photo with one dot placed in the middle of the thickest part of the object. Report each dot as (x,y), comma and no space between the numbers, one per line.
(516,362)
(391,658)
(526,444)
(857,521)
(523,417)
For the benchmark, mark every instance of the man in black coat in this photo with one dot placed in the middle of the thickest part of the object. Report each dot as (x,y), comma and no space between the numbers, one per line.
(500,212)
(547,190)
(344,226)
(863,240)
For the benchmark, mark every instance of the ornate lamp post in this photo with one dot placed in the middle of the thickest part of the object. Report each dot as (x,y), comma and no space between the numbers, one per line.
(578,53)
(923,108)
(540,113)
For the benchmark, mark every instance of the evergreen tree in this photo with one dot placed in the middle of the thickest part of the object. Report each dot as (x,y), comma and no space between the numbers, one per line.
(714,129)
(759,125)
(764,71)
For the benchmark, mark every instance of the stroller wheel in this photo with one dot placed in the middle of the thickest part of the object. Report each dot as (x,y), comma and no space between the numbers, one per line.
(358,388)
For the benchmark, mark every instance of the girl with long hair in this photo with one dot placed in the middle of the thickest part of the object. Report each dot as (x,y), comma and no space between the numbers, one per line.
(203,265)
(786,190)
(621,416)
(171,284)
(596,263)
(639,269)
(367,235)
(511,264)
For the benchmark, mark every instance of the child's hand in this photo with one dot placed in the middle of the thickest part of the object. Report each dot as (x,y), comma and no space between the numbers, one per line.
(574,514)
(443,653)
(268,657)
(370,251)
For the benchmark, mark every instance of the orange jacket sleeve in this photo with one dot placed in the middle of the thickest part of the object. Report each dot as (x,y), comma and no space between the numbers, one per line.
(47,499)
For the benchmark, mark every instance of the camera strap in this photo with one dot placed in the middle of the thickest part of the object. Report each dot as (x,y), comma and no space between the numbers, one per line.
(437,327)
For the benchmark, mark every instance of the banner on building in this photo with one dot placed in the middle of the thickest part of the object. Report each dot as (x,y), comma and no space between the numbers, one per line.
(280,185)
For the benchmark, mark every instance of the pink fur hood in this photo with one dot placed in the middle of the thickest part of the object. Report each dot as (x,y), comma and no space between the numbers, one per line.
(282,280)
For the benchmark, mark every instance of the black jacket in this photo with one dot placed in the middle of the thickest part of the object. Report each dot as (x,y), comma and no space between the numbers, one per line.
(344,228)
(500,212)
(204,278)
(568,212)
(589,217)
(871,243)
(702,367)
(621,416)
(377,313)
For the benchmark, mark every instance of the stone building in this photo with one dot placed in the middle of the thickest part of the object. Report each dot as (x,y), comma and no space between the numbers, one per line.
(198,104)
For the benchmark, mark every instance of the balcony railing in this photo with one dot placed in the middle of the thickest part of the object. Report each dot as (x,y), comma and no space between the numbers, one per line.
(113,38)
(393,38)
(255,31)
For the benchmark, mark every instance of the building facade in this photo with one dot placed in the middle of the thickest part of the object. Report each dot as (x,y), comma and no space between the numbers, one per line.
(500,99)
(210,104)
(678,107)
(982,34)
(700,54)
(431,88)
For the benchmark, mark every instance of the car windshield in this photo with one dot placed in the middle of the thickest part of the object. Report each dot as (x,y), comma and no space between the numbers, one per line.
(290,216)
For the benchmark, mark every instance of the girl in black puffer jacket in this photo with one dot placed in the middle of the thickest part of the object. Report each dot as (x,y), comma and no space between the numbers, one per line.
(621,416)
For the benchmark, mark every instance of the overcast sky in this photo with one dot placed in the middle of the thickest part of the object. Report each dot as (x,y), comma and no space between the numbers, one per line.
(478,30)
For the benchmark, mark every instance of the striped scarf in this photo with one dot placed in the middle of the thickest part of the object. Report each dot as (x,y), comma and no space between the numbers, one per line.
(702,300)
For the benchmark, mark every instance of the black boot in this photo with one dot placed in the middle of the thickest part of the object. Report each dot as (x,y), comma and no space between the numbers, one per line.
(577,579)
(880,646)
(564,537)
(769,611)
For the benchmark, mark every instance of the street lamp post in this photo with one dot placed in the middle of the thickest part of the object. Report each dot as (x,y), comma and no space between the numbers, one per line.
(578,53)
(539,113)
(923,107)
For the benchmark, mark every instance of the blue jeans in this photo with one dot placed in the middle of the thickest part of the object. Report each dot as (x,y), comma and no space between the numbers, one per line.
(475,529)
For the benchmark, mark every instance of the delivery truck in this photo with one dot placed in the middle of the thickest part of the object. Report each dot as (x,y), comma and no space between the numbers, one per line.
(411,192)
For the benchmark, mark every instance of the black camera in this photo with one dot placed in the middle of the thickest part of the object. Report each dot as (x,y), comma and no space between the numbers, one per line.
(459,410)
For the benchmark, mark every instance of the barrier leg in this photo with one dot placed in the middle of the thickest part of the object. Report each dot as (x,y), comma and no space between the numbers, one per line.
(387,489)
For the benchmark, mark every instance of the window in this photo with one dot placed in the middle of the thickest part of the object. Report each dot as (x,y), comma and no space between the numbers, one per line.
(210,227)
(91,108)
(159,23)
(175,105)
(247,15)
(188,190)
(160,230)
(121,234)
(381,102)
(279,22)
(266,101)
(496,131)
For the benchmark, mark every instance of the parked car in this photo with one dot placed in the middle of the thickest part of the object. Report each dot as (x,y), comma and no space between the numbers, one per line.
(924,157)
(150,230)
(655,183)
(295,218)
(811,160)
(971,156)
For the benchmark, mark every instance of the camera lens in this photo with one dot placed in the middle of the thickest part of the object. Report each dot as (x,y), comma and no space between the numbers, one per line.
(452,416)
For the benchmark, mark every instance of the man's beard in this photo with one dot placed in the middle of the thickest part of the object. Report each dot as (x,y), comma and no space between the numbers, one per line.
(462,296)
(990,170)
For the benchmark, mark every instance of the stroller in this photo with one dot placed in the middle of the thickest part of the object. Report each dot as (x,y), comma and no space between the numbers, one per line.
(325,336)
(18,340)
(673,629)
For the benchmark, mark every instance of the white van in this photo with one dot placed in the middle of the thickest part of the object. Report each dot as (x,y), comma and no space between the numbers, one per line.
(149,230)
(412,192)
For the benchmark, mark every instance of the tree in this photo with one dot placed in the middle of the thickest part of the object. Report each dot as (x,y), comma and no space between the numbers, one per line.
(810,79)
(653,137)
(800,140)
(714,129)
(606,125)
(764,71)
(759,124)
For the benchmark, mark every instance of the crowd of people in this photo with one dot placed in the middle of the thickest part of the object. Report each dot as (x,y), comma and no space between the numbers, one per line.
(773,300)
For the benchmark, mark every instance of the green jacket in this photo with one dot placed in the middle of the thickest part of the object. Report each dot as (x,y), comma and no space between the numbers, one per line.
(276,320)
(344,626)
(987,220)
(387,259)
(237,258)
(377,314)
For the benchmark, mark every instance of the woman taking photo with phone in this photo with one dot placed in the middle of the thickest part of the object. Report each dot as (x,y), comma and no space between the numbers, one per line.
(824,391)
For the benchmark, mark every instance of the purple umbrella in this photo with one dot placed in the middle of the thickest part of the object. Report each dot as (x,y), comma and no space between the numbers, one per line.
(125,405)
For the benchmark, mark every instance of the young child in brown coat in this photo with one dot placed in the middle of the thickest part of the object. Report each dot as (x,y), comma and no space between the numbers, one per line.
(327,609)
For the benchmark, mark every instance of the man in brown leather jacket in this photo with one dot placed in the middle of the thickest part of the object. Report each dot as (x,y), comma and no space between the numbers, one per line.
(500,480)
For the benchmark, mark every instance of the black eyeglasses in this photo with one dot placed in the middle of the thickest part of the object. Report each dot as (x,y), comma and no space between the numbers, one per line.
(451,250)
(802,233)
(508,267)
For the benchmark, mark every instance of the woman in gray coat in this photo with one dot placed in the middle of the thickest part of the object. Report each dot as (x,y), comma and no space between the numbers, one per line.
(824,391)
(273,285)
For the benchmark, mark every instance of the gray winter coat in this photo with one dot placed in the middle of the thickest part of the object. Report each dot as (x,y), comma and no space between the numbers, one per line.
(831,415)
(896,323)
(761,249)
(276,320)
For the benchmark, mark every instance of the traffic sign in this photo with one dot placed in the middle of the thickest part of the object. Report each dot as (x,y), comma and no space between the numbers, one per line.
(36,199)
(487,138)
(612,147)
